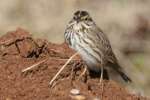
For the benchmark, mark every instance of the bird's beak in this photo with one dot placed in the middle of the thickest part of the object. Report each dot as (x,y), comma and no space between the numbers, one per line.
(77,20)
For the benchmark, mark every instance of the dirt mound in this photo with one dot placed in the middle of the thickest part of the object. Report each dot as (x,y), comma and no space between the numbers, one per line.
(18,50)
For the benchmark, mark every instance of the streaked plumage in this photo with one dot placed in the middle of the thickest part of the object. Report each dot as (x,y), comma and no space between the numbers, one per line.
(83,35)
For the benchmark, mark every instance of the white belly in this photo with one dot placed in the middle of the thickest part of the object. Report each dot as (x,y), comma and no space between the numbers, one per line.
(91,61)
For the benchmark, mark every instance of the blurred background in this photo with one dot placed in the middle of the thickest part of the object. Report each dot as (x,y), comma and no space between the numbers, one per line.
(126,22)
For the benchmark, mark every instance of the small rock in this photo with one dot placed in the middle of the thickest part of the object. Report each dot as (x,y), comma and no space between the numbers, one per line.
(75,91)
(96,98)
(78,97)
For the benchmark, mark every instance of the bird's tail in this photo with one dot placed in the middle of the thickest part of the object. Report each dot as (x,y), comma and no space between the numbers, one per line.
(124,76)
(118,69)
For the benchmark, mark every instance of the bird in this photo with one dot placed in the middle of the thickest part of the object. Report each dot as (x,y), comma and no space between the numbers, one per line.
(84,36)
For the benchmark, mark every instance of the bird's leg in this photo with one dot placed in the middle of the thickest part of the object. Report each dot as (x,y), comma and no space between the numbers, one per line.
(101,76)
(83,73)
(76,66)
(72,72)
(101,81)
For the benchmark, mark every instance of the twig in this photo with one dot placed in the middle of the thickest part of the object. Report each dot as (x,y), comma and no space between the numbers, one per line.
(62,68)
(64,59)
(28,68)
(34,65)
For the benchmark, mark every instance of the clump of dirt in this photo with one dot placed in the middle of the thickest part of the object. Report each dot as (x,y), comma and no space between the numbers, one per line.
(18,50)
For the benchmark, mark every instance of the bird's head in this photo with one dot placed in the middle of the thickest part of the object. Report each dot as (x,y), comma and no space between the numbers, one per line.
(81,16)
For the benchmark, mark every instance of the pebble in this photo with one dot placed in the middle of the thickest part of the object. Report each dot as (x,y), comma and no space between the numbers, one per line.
(75,91)
(96,98)
(78,97)
(75,94)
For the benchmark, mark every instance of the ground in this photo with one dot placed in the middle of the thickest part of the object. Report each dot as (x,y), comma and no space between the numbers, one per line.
(19,50)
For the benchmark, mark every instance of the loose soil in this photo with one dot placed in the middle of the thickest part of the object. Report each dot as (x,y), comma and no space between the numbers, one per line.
(19,50)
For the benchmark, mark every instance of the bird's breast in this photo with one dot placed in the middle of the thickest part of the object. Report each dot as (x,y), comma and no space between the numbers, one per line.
(77,27)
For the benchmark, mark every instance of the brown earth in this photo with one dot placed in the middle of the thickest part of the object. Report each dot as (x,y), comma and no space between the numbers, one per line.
(18,50)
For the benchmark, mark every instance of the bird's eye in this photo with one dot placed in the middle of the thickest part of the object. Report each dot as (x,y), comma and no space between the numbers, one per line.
(86,18)
(74,17)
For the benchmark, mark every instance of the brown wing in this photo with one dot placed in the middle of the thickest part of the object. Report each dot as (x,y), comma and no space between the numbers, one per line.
(110,56)
(105,45)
